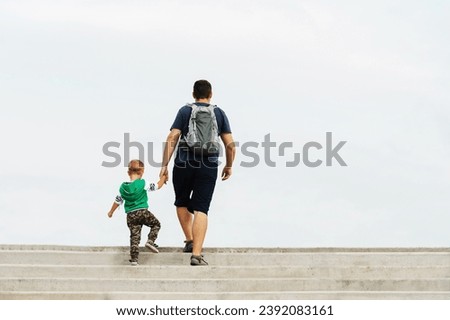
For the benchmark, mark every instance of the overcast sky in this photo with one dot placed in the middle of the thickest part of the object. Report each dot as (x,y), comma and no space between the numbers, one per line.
(75,75)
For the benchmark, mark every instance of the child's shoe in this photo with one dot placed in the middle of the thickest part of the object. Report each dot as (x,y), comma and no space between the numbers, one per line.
(134,263)
(152,246)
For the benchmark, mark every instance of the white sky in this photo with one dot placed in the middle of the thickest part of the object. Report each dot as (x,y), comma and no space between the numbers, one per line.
(77,74)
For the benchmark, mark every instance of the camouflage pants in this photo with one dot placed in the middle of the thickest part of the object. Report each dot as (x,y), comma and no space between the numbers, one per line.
(135,220)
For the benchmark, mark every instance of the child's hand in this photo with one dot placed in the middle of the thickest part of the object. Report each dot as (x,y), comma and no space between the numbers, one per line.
(114,206)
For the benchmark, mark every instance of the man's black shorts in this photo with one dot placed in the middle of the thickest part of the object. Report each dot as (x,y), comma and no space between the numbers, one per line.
(194,185)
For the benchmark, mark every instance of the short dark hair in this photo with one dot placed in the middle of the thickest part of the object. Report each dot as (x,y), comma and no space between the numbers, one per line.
(202,89)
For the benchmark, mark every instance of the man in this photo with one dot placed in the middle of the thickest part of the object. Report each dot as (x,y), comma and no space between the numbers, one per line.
(194,176)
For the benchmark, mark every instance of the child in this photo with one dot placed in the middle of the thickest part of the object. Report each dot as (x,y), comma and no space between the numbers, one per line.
(134,195)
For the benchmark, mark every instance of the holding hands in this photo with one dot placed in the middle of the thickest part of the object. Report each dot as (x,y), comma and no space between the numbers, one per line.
(164,174)
(162,179)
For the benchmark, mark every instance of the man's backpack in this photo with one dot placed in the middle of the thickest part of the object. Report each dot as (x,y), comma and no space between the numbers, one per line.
(202,137)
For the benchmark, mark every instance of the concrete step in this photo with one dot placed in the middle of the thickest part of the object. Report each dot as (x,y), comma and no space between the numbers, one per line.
(43,257)
(220,272)
(221,285)
(125,249)
(214,295)
(65,272)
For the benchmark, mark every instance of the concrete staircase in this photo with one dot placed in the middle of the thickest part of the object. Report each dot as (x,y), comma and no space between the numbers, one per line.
(62,272)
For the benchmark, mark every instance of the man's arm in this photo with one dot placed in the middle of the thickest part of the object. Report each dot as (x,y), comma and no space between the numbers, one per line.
(162,181)
(169,148)
(230,152)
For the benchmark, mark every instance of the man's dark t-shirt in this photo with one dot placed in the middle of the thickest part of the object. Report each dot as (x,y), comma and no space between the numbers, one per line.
(182,123)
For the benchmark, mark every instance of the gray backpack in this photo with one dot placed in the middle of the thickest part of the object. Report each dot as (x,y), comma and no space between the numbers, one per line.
(202,137)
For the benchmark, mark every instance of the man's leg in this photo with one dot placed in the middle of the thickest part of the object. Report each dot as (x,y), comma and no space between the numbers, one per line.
(185,218)
(182,183)
(203,189)
(199,228)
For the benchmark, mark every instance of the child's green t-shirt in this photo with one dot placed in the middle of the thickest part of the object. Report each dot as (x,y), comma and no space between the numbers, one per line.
(134,194)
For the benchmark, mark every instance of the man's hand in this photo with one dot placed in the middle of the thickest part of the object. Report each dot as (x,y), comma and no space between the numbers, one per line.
(169,148)
(162,181)
(226,173)
(230,151)
(164,174)
(110,214)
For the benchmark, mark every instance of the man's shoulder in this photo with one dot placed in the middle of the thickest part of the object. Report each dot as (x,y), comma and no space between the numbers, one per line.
(187,109)
(186,106)
(220,114)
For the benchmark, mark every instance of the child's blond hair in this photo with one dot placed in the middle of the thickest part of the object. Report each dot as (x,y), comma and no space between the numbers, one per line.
(135,167)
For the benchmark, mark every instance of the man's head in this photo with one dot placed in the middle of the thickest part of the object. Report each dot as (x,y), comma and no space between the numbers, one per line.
(136,167)
(202,90)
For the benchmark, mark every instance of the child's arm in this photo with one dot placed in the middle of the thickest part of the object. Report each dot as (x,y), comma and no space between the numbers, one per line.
(158,185)
(115,205)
